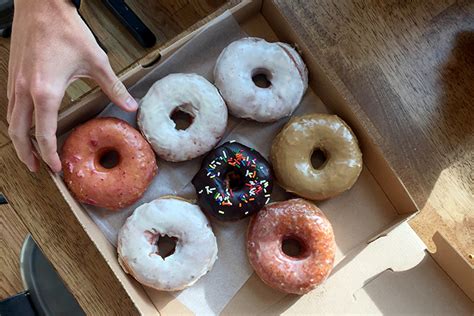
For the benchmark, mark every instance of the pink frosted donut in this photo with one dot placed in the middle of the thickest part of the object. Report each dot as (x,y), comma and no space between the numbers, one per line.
(112,187)
(294,220)
(285,72)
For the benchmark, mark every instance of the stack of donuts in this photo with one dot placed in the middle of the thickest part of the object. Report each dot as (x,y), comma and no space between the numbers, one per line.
(290,244)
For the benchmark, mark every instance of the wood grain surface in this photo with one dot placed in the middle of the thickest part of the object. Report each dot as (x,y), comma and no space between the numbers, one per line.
(12,234)
(410,64)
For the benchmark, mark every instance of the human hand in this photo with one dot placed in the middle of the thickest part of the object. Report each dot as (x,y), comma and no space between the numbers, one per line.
(51,47)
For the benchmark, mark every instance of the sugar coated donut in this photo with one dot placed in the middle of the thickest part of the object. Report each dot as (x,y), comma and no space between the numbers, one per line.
(293,147)
(285,72)
(194,254)
(111,186)
(186,93)
(300,222)
(234,182)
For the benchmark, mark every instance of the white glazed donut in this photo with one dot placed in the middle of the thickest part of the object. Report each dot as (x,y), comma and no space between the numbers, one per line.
(196,246)
(189,93)
(279,62)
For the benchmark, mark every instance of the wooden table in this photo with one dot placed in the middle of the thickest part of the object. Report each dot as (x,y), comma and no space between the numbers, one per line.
(409,64)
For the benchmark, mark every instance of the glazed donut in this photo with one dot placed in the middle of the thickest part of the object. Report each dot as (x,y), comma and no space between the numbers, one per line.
(242,60)
(299,221)
(293,147)
(94,183)
(193,95)
(234,182)
(195,251)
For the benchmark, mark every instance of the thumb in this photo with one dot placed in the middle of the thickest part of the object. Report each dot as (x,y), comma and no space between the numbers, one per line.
(114,88)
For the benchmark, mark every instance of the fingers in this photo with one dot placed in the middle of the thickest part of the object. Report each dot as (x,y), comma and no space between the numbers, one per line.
(47,104)
(112,86)
(18,130)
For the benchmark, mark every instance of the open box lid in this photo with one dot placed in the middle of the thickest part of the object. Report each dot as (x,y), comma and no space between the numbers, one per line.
(391,275)
(370,274)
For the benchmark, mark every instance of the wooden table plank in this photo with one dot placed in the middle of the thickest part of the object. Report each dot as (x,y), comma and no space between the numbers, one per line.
(12,234)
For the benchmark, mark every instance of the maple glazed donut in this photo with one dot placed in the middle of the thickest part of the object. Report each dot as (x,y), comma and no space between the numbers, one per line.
(241,62)
(193,96)
(298,221)
(294,146)
(194,254)
(92,180)
(234,182)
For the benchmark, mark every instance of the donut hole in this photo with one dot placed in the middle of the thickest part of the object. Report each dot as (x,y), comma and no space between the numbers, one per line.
(166,246)
(234,180)
(262,78)
(109,158)
(293,247)
(318,159)
(181,118)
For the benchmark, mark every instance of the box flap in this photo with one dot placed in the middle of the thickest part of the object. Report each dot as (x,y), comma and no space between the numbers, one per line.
(392,274)
(454,264)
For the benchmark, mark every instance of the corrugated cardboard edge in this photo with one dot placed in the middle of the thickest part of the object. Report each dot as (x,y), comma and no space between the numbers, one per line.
(454,264)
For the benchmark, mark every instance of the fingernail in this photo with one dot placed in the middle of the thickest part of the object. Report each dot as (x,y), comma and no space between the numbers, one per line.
(131,104)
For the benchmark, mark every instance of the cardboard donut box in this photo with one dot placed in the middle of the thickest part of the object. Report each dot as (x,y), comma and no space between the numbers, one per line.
(382,266)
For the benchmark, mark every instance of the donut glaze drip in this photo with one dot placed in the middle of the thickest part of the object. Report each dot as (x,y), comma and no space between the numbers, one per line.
(234,182)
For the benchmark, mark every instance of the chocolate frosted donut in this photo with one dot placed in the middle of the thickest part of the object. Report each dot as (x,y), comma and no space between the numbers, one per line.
(293,147)
(234,182)
(293,221)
